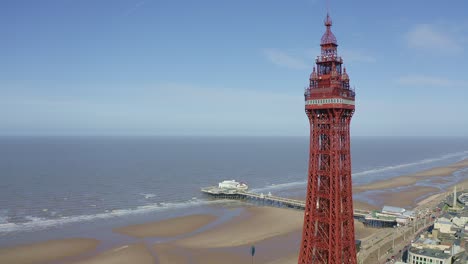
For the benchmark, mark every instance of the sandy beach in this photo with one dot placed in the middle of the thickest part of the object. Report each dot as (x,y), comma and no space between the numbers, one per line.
(363,206)
(167,228)
(171,254)
(230,243)
(136,253)
(254,225)
(47,251)
(406,198)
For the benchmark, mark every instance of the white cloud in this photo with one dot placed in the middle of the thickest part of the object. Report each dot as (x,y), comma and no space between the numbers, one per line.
(432,38)
(424,80)
(283,59)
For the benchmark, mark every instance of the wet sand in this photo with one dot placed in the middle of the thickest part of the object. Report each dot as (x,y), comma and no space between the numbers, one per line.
(406,198)
(291,259)
(411,179)
(47,251)
(277,241)
(255,224)
(167,228)
(364,206)
(171,254)
(136,253)
(430,199)
(267,250)
(168,253)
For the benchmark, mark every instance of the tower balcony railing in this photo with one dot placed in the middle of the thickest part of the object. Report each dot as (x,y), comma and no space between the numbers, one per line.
(329,91)
(325,58)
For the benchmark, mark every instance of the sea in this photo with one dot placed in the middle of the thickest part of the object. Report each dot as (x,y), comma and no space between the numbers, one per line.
(56,187)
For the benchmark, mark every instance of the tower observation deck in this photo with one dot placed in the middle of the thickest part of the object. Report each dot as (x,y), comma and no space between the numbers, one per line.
(328,231)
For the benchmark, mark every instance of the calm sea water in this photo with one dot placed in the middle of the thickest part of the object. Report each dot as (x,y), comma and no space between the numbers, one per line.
(46,182)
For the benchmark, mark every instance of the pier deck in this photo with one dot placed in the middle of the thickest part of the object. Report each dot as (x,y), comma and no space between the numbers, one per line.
(266,199)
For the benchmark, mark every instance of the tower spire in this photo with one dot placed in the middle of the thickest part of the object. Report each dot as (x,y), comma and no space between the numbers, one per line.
(328,37)
(328,21)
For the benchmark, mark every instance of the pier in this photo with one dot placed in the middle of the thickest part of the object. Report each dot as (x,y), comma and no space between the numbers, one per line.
(271,200)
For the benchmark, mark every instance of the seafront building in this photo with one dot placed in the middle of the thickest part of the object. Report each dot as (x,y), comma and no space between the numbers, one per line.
(460,220)
(463,198)
(447,242)
(444,225)
(428,256)
(389,216)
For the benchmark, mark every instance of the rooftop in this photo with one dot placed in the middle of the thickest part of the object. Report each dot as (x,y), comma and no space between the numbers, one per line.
(433,253)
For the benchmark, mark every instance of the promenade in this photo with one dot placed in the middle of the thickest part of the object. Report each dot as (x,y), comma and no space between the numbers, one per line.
(392,242)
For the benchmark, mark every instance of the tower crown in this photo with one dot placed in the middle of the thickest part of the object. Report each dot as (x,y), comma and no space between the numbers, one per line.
(329,82)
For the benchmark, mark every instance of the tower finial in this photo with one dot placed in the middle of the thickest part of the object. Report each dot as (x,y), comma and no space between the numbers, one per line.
(328,21)
(313,75)
(344,75)
(328,37)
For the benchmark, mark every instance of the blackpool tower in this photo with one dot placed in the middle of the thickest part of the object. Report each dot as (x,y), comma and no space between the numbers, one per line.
(328,232)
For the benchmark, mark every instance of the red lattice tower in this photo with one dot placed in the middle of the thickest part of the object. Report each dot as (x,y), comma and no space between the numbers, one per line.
(328,233)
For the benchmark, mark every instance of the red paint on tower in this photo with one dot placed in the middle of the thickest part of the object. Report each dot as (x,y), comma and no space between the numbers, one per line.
(328,232)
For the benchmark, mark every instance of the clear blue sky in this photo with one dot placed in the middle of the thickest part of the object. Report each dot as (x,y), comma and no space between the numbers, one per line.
(210,67)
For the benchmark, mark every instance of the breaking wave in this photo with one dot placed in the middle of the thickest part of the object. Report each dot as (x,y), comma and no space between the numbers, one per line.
(462,155)
(280,186)
(38,223)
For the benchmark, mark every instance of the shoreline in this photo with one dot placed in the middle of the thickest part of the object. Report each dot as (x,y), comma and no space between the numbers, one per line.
(411,179)
(275,231)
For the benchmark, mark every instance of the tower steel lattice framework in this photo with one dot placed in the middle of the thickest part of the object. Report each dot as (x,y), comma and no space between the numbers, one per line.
(328,232)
